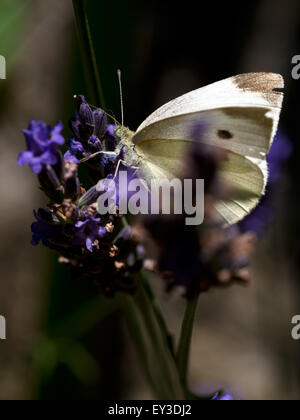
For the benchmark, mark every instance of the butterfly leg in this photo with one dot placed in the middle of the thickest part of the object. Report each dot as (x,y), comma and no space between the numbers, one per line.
(111,154)
(125,164)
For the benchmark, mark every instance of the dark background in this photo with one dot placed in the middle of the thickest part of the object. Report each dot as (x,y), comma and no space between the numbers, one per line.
(64,342)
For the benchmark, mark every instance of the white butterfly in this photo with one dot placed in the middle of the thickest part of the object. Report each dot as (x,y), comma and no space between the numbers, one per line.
(241,115)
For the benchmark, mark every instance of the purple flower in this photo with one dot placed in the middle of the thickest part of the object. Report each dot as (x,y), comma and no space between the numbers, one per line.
(222,397)
(42,231)
(88,231)
(264,213)
(111,131)
(122,192)
(280,152)
(76,147)
(71,225)
(94,145)
(110,138)
(42,142)
(69,157)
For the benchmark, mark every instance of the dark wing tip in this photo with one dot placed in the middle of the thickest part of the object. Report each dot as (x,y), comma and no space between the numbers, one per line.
(268,84)
(259,82)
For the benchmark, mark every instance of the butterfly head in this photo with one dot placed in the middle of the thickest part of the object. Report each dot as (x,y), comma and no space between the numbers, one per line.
(123,134)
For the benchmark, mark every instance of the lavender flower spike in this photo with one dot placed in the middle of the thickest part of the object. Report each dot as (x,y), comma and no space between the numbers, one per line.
(42,145)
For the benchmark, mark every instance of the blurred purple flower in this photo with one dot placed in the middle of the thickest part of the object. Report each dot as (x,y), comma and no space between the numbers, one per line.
(264,213)
(199,258)
(280,152)
(42,142)
(222,397)
(88,231)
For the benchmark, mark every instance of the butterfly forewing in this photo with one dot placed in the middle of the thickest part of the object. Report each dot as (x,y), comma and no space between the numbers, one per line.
(240,114)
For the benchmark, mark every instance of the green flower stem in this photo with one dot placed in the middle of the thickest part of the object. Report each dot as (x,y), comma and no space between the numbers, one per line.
(88,53)
(183,352)
(157,312)
(152,345)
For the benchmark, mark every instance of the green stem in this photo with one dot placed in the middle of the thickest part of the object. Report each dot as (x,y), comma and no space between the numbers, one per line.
(88,53)
(152,345)
(157,312)
(183,352)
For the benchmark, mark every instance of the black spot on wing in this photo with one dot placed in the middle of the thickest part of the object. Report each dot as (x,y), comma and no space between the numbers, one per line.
(225,134)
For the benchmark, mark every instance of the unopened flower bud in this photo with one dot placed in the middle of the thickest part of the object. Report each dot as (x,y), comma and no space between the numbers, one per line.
(87,118)
(95,145)
(75,127)
(100,123)
(59,167)
(80,99)
(72,184)
(111,140)
(51,184)
(72,188)
(90,197)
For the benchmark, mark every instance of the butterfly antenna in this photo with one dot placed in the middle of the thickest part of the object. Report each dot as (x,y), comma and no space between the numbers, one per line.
(116,122)
(121,95)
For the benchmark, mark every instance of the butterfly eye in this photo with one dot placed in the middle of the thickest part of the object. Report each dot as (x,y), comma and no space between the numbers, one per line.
(119,132)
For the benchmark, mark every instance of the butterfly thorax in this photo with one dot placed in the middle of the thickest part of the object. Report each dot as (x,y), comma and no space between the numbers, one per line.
(125,136)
